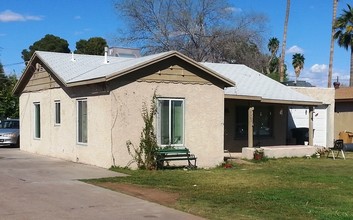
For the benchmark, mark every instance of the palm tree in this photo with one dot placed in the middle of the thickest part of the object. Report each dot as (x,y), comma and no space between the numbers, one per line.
(273,45)
(298,64)
(330,66)
(281,63)
(344,35)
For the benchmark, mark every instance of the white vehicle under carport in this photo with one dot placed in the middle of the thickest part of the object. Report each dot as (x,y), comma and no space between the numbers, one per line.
(10,133)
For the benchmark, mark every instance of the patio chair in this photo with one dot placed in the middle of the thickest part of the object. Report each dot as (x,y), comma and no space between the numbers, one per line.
(338,146)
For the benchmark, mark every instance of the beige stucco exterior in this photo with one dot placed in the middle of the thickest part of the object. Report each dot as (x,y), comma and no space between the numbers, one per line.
(203,118)
(114,114)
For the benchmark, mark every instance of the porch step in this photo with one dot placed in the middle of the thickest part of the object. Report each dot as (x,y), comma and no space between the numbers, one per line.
(281,151)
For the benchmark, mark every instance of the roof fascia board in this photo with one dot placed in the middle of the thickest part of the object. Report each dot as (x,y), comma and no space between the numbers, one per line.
(289,102)
(243,97)
(86,82)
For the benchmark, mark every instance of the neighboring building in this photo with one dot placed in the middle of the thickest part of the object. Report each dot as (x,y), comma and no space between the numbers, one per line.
(343,110)
(299,83)
(85,108)
(124,52)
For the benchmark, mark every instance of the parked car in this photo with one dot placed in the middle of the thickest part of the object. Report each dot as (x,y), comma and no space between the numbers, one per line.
(10,133)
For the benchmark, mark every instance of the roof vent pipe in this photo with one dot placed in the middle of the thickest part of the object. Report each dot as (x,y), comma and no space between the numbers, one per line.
(72,57)
(106,55)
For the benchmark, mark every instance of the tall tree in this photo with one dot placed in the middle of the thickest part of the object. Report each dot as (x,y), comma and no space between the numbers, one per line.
(298,64)
(198,29)
(48,43)
(92,46)
(344,35)
(273,45)
(330,66)
(284,42)
(272,66)
(8,103)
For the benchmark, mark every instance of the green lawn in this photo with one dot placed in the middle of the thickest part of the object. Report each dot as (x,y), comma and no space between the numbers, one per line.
(275,189)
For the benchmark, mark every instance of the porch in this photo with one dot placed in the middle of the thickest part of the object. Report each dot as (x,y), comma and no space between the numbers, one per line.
(280,151)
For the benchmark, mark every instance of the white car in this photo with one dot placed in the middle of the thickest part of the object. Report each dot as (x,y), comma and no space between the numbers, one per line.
(10,133)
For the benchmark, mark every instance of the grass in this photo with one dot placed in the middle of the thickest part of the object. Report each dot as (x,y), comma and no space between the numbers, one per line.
(296,188)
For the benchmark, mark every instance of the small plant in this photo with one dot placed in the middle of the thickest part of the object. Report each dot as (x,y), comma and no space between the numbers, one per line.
(258,154)
(144,154)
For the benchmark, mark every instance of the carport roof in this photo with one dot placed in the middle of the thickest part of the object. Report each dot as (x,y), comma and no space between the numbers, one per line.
(252,85)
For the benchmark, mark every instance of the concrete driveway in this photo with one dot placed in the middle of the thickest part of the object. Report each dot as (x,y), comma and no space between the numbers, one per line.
(38,187)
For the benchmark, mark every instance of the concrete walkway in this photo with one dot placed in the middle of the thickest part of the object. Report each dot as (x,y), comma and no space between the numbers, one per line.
(38,187)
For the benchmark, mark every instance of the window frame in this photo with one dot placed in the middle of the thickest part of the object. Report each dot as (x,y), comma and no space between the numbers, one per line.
(36,121)
(159,121)
(79,137)
(57,113)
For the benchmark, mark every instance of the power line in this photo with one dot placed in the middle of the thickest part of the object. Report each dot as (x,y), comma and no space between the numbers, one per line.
(13,64)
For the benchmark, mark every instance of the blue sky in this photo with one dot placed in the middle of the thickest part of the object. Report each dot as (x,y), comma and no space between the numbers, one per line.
(23,22)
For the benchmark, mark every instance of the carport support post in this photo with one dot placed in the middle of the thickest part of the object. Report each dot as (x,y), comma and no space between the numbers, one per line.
(311,130)
(251,127)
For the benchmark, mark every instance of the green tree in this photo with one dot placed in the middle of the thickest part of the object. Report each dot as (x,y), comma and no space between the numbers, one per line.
(284,42)
(298,64)
(8,103)
(48,43)
(272,66)
(330,66)
(344,35)
(92,46)
(273,45)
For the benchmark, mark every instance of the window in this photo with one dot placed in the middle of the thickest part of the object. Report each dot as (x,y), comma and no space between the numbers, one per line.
(82,121)
(37,120)
(57,113)
(263,121)
(171,122)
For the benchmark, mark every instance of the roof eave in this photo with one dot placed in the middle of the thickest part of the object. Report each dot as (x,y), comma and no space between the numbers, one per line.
(292,102)
(86,82)
(272,101)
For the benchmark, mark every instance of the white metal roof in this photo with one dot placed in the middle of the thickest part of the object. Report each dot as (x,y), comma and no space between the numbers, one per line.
(250,83)
(79,67)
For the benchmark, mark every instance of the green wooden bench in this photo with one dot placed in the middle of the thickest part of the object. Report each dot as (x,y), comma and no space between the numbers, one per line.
(175,154)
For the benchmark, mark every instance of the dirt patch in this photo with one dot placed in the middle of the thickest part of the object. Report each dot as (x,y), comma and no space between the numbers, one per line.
(149,194)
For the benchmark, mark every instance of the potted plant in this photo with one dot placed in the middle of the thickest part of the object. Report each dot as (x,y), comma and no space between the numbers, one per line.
(258,154)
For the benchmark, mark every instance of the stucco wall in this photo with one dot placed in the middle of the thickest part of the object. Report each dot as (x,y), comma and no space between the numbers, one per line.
(343,117)
(204,106)
(60,140)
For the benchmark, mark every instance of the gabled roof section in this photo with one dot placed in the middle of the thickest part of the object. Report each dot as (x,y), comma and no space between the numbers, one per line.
(79,69)
(252,85)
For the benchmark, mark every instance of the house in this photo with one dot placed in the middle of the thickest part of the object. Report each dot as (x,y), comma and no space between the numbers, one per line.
(86,108)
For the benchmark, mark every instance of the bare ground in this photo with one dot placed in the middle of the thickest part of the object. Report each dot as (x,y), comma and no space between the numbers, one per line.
(149,194)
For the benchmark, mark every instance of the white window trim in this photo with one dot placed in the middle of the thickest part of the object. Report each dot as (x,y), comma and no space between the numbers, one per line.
(77,123)
(55,112)
(170,115)
(35,121)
